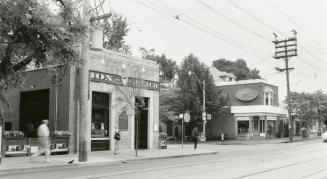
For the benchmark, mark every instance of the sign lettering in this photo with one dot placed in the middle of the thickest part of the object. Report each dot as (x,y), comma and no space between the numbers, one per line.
(123,81)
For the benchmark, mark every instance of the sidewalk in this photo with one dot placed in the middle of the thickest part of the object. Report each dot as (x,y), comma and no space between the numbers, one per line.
(19,164)
(266,141)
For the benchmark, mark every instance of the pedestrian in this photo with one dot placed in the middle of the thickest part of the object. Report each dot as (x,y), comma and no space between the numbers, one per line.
(43,134)
(117,139)
(195,136)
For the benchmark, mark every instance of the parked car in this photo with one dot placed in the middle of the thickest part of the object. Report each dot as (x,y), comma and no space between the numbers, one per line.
(324,136)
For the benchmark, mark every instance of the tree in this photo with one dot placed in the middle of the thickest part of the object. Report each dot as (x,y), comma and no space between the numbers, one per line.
(167,66)
(32,34)
(320,103)
(115,30)
(190,95)
(238,68)
(309,107)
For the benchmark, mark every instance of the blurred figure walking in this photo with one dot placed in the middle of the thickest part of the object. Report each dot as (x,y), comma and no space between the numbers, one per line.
(195,136)
(117,139)
(43,134)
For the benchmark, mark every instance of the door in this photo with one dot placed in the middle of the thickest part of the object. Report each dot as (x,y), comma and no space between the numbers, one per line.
(141,122)
(34,107)
(256,125)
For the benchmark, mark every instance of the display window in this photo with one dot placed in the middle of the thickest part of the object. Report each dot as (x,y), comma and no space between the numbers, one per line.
(100,115)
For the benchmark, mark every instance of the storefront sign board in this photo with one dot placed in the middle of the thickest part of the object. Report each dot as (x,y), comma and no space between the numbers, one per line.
(96,76)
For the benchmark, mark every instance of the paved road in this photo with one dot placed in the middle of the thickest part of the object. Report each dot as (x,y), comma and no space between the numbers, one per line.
(306,159)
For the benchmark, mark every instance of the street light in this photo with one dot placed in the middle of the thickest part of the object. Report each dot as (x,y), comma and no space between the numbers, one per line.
(204,102)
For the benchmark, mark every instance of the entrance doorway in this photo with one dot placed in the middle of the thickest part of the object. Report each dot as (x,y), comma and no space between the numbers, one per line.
(34,107)
(141,122)
(256,126)
(242,127)
(100,122)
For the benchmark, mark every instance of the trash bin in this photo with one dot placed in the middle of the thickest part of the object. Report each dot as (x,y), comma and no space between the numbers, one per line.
(304,133)
(163,141)
(319,132)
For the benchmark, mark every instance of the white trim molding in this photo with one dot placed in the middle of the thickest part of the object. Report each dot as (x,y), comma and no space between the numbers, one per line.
(254,110)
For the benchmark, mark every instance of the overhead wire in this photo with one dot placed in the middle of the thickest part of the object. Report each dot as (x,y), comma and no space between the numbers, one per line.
(233,21)
(249,14)
(301,28)
(191,22)
(183,13)
(219,35)
(291,20)
(245,11)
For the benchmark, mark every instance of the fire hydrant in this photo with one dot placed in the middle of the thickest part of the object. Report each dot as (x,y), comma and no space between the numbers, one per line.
(222,136)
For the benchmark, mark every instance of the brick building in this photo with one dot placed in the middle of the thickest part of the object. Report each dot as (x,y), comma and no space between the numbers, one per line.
(254,108)
(116,83)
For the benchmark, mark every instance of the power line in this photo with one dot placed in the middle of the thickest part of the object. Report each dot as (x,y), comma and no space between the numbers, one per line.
(314,66)
(313,56)
(291,20)
(248,13)
(233,21)
(184,13)
(271,27)
(202,28)
(224,37)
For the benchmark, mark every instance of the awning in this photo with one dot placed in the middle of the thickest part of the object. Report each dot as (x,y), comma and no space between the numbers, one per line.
(258,110)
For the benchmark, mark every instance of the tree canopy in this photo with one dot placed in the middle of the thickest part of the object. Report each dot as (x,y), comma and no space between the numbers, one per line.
(190,96)
(168,67)
(309,107)
(32,34)
(115,30)
(239,68)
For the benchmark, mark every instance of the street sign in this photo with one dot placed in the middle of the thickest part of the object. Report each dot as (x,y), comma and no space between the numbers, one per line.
(208,116)
(204,116)
(187,117)
(181,116)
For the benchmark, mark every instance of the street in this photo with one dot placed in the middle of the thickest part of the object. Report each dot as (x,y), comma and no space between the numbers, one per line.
(305,159)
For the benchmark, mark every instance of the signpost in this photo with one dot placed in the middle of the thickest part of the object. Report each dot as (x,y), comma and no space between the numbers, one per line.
(1,135)
(181,116)
(208,116)
(187,117)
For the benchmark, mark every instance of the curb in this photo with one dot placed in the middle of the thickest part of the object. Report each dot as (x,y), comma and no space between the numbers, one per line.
(31,169)
(263,143)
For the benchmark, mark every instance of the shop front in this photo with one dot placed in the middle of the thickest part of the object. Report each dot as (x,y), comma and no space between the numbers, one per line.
(123,93)
(255,122)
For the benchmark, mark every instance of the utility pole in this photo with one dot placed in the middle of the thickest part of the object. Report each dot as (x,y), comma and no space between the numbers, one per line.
(84,125)
(204,110)
(83,88)
(284,49)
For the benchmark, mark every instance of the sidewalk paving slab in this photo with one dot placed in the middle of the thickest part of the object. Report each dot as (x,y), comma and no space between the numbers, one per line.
(23,163)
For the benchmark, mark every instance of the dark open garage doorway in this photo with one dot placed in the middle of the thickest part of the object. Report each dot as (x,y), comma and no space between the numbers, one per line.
(34,107)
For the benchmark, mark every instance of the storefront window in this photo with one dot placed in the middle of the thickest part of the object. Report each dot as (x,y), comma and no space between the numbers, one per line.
(100,115)
(243,127)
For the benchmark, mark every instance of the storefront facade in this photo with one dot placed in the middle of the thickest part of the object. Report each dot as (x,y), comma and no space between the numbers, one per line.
(253,109)
(123,93)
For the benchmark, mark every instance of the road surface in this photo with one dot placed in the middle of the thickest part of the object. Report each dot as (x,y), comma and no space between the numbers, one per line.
(305,159)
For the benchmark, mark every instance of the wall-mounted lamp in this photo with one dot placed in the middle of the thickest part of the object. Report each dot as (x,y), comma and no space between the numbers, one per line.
(143,70)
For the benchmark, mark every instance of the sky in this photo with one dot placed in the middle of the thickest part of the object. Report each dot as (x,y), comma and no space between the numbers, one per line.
(233,29)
